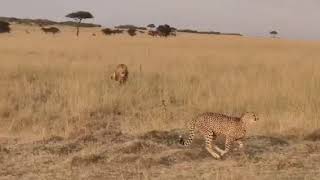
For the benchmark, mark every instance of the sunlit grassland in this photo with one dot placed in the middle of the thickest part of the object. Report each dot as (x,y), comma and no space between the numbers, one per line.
(54,84)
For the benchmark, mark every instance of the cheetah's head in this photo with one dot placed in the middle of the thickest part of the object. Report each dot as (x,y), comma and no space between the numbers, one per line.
(249,117)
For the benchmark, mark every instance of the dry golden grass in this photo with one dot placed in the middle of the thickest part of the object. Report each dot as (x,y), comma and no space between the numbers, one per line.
(57,84)
(60,85)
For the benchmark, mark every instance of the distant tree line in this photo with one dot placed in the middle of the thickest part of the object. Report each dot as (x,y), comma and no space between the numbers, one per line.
(164,30)
(108,31)
(128,26)
(208,32)
(45,22)
(231,34)
(198,32)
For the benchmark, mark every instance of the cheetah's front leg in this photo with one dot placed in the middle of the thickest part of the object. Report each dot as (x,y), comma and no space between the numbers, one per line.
(218,149)
(209,139)
(227,146)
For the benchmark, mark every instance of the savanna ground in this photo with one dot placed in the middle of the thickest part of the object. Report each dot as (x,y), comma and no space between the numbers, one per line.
(61,117)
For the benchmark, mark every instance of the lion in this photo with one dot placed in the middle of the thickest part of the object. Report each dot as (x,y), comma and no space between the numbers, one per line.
(120,74)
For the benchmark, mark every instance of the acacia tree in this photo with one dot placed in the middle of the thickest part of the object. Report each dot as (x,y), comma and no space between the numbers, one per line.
(79,16)
(273,34)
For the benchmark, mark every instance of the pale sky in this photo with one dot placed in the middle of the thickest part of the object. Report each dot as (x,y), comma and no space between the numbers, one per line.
(294,19)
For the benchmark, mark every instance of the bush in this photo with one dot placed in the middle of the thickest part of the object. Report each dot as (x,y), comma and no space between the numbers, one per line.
(132,32)
(4,27)
(108,31)
(52,30)
(117,31)
(164,30)
(153,33)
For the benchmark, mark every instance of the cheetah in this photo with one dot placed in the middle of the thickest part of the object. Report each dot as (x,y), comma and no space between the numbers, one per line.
(210,125)
(120,74)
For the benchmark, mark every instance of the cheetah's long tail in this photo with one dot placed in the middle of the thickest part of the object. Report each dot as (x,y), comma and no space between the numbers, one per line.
(191,134)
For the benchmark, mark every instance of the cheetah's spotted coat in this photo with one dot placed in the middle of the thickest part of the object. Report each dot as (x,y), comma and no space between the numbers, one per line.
(210,125)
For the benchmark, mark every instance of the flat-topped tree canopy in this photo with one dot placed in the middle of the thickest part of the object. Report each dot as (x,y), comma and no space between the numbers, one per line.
(80,15)
(274,32)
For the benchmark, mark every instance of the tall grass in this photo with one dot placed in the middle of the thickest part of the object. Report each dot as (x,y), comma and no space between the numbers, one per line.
(52,85)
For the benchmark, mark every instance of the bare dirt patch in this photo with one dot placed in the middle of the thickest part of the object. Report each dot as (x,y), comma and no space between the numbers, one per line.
(115,155)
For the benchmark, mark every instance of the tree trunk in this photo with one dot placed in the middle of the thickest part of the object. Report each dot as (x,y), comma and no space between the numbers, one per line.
(78,26)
